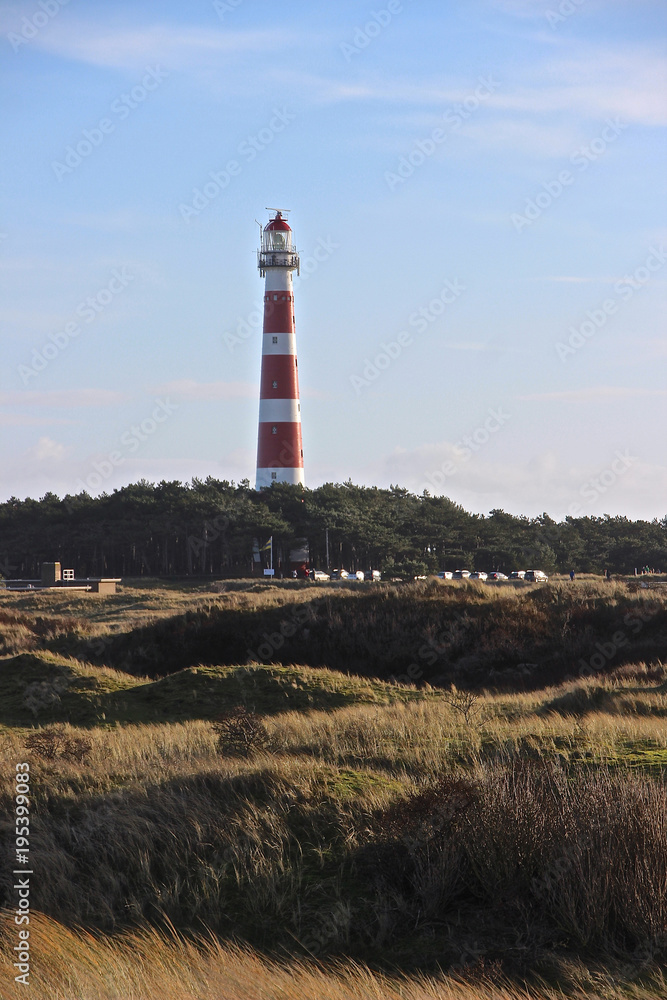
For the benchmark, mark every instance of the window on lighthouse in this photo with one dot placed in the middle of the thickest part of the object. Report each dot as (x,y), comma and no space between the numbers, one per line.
(277,240)
(274,430)
(274,384)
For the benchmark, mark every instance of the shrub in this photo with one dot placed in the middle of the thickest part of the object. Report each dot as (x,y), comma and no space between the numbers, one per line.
(52,744)
(585,854)
(240,733)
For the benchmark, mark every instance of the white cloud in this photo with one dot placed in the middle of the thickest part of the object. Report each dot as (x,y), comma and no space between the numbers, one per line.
(544,482)
(525,136)
(575,279)
(63,398)
(521,8)
(122,220)
(593,394)
(25,420)
(467,345)
(174,46)
(48,450)
(593,83)
(190,389)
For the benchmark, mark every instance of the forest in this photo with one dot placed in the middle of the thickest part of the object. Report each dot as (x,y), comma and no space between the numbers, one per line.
(219,528)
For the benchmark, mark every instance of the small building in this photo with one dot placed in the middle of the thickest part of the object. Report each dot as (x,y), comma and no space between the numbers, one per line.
(53,577)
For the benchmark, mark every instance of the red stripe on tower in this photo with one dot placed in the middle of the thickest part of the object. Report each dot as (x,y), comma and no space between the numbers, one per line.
(279,445)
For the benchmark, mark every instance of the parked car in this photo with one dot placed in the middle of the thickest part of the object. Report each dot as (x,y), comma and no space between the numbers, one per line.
(479,575)
(517,574)
(317,574)
(497,576)
(339,574)
(445,575)
(373,574)
(460,574)
(359,575)
(536,576)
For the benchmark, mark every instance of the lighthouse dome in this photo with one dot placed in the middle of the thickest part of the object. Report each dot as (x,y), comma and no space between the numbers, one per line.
(277,234)
(277,223)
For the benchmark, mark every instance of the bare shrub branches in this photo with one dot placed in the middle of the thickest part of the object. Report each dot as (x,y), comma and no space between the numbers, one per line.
(54,744)
(465,703)
(240,733)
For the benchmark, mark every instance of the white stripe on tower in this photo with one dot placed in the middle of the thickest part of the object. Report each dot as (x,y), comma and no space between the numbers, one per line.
(279,445)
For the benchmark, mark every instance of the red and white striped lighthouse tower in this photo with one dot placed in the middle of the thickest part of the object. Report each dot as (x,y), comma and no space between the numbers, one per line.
(279,446)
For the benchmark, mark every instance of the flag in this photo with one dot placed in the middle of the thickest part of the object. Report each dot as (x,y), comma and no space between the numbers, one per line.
(265,548)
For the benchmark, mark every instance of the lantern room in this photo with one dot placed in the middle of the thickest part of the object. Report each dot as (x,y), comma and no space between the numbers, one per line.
(277,234)
(277,249)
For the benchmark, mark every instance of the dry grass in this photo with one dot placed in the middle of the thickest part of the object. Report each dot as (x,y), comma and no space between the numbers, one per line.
(383,827)
(134,606)
(156,822)
(418,737)
(481,631)
(75,965)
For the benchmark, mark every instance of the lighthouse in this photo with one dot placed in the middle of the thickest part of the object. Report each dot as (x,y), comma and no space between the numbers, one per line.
(279,445)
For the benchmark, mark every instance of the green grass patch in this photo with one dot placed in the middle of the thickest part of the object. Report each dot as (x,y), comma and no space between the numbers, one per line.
(347,783)
(44,688)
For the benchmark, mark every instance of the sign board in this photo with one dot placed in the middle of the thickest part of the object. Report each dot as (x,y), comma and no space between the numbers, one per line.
(269,572)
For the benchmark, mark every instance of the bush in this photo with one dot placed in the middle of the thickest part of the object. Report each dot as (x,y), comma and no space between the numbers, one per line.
(54,744)
(240,733)
(583,857)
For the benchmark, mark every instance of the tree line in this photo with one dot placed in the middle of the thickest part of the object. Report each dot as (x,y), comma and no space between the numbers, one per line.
(219,528)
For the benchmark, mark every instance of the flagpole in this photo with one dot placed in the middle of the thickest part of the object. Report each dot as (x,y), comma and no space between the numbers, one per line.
(271,541)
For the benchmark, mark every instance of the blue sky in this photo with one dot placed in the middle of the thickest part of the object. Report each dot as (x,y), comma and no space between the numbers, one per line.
(477,190)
